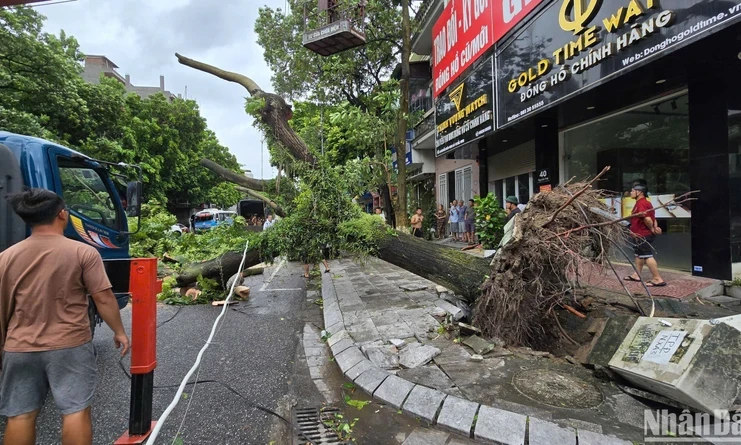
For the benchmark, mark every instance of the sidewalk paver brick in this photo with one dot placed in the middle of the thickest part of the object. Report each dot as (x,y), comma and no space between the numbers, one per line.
(349,358)
(500,427)
(394,391)
(592,438)
(547,433)
(341,345)
(423,402)
(371,379)
(334,338)
(354,372)
(457,415)
(422,436)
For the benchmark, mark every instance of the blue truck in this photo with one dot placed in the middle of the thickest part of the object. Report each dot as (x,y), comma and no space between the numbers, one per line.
(98,195)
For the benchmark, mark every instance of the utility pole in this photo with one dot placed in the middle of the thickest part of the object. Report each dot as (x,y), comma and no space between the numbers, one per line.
(402,218)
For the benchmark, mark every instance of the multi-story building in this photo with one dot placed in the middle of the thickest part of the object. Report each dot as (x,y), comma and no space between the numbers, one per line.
(97,65)
(540,91)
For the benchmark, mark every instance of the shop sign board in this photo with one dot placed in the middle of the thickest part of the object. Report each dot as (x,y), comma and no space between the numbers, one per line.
(466,29)
(574,44)
(466,113)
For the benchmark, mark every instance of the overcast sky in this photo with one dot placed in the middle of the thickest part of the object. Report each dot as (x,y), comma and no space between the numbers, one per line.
(142,36)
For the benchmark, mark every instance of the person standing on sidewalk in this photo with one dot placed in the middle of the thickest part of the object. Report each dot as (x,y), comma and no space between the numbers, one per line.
(643,230)
(441,216)
(462,220)
(511,207)
(45,328)
(454,218)
(417,219)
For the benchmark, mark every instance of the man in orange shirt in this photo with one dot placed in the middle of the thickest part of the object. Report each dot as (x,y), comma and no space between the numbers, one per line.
(45,329)
(644,229)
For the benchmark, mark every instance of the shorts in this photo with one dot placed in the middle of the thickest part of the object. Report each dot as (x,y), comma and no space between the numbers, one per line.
(470,226)
(418,233)
(27,377)
(642,246)
(462,227)
(454,227)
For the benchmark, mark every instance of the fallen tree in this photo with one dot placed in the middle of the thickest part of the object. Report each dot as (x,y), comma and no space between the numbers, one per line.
(531,275)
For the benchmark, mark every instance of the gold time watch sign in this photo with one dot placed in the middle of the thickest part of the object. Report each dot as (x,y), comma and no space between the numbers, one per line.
(574,44)
(466,112)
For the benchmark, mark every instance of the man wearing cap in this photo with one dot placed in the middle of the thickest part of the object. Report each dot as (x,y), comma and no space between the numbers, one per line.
(510,205)
(644,230)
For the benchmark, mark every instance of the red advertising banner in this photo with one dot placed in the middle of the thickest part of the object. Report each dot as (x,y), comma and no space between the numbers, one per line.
(466,29)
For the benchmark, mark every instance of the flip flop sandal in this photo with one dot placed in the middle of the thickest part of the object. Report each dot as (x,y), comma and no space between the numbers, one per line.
(629,278)
(652,284)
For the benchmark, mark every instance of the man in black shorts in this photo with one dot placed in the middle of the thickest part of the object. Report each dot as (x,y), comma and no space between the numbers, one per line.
(45,330)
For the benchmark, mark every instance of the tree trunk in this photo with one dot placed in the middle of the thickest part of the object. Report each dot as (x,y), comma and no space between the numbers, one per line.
(460,272)
(219,269)
(402,217)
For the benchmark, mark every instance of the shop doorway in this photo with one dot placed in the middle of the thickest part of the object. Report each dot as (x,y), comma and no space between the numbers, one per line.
(649,142)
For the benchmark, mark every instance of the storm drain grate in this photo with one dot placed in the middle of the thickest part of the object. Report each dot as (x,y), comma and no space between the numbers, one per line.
(309,422)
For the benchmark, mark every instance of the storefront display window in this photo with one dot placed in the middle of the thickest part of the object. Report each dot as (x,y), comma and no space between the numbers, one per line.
(734,150)
(649,142)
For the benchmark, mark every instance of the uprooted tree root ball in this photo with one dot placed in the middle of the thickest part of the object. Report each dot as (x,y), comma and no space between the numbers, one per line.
(552,239)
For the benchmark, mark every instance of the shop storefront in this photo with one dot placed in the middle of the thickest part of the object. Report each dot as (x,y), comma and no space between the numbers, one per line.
(646,87)
(463,117)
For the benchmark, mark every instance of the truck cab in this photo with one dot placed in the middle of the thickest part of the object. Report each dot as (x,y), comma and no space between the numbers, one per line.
(98,216)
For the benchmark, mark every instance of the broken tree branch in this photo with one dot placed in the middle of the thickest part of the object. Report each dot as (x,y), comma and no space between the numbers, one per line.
(679,200)
(250,183)
(576,195)
(229,76)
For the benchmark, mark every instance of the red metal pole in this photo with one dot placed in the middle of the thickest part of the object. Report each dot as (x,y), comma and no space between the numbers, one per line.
(144,287)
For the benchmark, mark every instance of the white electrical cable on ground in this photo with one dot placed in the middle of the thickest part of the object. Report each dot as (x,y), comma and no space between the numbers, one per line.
(197,364)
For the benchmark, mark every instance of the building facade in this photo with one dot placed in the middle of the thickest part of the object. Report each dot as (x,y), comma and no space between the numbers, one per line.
(97,65)
(647,88)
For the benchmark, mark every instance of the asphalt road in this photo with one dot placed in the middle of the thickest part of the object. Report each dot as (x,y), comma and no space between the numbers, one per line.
(255,352)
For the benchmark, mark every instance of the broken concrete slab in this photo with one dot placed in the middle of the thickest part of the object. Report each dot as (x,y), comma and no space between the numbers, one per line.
(441,289)
(371,379)
(423,403)
(385,357)
(670,357)
(449,308)
(416,354)
(457,415)
(542,432)
(411,287)
(479,345)
(724,299)
(428,375)
(500,427)
(437,311)
(397,342)
(394,390)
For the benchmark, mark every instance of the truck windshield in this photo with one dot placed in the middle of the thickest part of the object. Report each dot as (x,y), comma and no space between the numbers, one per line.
(85,192)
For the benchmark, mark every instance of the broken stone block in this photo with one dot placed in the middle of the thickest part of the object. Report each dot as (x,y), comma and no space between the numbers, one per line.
(694,362)
(441,289)
(449,308)
(467,329)
(415,355)
(412,287)
(399,343)
(477,358)
(385,357)
(478,344)
(438,312)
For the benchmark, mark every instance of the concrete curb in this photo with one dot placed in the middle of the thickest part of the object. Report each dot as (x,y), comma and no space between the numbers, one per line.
(484,424)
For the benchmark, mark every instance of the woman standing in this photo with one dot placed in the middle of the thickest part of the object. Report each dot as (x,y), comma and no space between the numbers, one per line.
(441,216)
